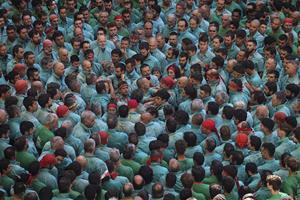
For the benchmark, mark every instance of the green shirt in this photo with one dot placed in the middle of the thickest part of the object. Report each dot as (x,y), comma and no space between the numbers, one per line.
(278,196)
(24,158)
(6,183)
(202,188)
(290,185)
(43,135)
(135,166)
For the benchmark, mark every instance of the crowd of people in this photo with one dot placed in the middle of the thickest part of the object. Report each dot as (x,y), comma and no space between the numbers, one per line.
(149,99)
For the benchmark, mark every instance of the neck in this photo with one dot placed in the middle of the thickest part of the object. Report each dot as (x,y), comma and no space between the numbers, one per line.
(274,192)
(180,157)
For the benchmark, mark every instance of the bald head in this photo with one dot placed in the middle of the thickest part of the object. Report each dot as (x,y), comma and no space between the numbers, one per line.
(173,165)
(146,117)
(82,161)
(262,111)
(3,116)
(182,81)
(138,181)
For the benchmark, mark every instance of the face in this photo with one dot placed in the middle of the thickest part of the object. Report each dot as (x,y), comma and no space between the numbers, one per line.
(63,13)
(146,71)
(202,94)
(144,52)
(225,20)
(228,41)
(60,40)
(148,29)
(87,66)
(126,18)
(181,26)
(275,24)
(115,58)
(124,90)
(193,24)
(3,50)
(263,28)
(212,31)
(129,67)
(275,101)
(60,70)
(171,73)
(20,53)
(113,31)
(23,34)
(11,34)
(250,46)
(36,39)
(48,49)
(54,21)
(27,20)
(118,72)
(103,17)
(291,69)
(220,4)
(89,122)
(102,41)
(64,56)
(203,46)
(241,56)
(173,40)
(30,59)
(216,43)
(157,74)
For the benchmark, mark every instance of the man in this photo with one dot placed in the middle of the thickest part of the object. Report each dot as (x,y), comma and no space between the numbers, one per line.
(150,60)
(274,184)
(156,52)
(18,55)
(219,11)
(268,151)
(44,133)
(278,104)
(204,54)
(102,52)
(117,139)
(94,164)
(255,34)
(31,107)
(254,56)
(83,130)
(35,44)
(232,49)
(58,75)
(182,27)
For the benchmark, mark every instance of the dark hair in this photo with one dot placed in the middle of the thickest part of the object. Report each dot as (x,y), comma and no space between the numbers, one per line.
(270,147)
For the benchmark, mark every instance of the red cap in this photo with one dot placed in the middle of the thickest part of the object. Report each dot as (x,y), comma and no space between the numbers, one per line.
(49,30)
(241,140)
(209,124)
(19,67)
(47,160)
(172,67)
(288,21)
(20,85)
(112,105)
(168,81)
(47,43)
(61,110)
(132,103)
(280,116)
(104,137)
(118,17)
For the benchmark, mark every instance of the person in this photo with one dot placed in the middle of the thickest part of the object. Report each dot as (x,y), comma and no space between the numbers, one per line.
(274,183)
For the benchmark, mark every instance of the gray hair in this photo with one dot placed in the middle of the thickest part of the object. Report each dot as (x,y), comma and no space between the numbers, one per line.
(89,145)
(56,141)
(240,105)
(48,118)
(87,114)
(223,95)
(114,155)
